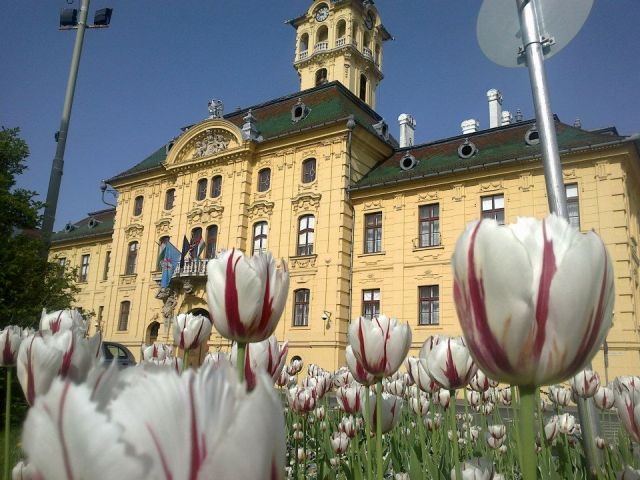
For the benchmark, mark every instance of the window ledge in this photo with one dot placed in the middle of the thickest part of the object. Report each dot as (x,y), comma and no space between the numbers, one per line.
(373,254)
(300,327)
(433,247)
(429,326)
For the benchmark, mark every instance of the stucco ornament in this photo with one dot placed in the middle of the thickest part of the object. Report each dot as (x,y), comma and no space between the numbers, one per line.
(210,144)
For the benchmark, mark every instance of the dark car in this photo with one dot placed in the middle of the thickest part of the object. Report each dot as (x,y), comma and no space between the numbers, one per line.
(116,352)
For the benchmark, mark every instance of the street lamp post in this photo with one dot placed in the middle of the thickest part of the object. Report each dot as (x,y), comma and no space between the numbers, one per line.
(103,18)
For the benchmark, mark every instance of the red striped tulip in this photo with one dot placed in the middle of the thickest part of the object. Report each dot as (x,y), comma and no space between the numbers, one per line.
(350,398)
(342,377)
(604,398)
(627,395)
(391,410)
(585,384)
(357,370)
(61,320)
(419,375)
(559,395)
(267,356)
(481,383)
(189,330)
(10,339)
(339,442)
(380,344)
(450,364)
(419,405)
(246,295)
(348,426)
(532,310)
(301,399)
(295,366)
(442,397)
(158,351)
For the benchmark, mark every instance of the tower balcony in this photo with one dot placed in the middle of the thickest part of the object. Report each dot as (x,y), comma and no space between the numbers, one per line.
(341,42)
(366,51)
(302,55)
(320,46)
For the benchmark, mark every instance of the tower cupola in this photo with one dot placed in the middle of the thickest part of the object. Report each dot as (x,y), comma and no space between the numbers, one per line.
(341,40)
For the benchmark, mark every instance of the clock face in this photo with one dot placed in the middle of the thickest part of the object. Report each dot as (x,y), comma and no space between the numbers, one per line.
(368,21)
(322,13)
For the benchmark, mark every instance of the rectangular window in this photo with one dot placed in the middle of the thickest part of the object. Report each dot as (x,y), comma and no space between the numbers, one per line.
(107,261)
(573,205)
(62,261)
(429,305)
(132,258)
(123,320)
(84,268)
(137,206)
(429,225)
(306,233)
(169,199)
(493,207)
(260,234)
(212,241)
(301,308)
(371,303)
(373,232)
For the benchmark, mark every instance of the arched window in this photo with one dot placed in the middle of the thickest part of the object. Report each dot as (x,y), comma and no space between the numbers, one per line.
(355,31)
(161,251)
(169,199)
(196,245)
(264,179)
(152,332)
(201,192)
(366,43)
(212,241)
(137,205)
(216,186)
(341,33)
(309,170)
(306,234)
(363,88)
(322,38)
(260,234)
(304,43)
(301,308)
(123,319)
(321,77)
(132,258)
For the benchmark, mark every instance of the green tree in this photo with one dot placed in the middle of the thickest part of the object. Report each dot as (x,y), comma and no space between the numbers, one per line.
(28,282)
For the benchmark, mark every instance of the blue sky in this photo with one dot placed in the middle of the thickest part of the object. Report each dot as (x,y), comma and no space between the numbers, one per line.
(156,67)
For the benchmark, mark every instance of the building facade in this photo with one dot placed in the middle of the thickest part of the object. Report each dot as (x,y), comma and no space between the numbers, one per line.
(366,224)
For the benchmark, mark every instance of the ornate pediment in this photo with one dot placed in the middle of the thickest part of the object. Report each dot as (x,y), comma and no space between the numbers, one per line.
(206,212)
(208,140)
(133,231)
(306,201)
(260,208)
(163,225)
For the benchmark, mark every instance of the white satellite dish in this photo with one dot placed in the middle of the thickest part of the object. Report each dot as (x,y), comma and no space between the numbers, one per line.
(500,37)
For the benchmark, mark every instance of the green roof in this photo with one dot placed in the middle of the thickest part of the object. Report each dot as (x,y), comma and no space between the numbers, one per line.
(327,104)
(96,224)
(494,146)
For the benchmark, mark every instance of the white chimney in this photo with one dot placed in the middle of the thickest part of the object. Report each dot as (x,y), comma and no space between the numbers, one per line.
(495,107)
(407,130)
(470,126)
(506,118)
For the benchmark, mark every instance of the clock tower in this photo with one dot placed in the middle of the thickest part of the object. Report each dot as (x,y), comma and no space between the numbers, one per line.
(341,40)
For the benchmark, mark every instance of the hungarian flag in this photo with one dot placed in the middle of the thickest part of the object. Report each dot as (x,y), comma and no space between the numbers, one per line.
(200,246)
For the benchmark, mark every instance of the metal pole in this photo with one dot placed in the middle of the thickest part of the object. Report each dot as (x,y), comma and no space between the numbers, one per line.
(55,178)
(532,44)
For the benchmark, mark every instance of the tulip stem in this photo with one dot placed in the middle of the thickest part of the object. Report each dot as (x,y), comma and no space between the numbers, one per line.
(367,427)
(7,424)
(242,348)
(454,433)
(526,419)
(379,472)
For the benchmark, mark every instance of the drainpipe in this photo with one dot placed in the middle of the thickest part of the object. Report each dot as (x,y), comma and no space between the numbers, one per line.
(351,125)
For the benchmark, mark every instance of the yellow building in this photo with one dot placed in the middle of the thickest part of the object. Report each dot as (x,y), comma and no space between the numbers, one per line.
(366,223)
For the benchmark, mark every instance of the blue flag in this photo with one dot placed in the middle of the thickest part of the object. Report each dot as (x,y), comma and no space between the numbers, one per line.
(170,261)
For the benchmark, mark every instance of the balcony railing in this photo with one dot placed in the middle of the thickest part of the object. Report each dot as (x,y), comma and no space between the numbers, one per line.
(321,46)
(302,55)
(192,268)
(341,42)
(367,53)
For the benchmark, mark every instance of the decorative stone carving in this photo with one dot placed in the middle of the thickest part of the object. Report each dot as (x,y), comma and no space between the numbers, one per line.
(302,262)
(170,302)
(187,286)
(428,273)
(210,210)
(602,172)
(133,231)
(398,201)
(491,186)
(526,182)
(260,208)
(429,196)
(163,225)
(372,205)
(569,174)
(458,192)
(210,144)
(306,201)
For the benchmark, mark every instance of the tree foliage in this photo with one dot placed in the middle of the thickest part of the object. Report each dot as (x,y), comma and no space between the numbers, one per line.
(28,282)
